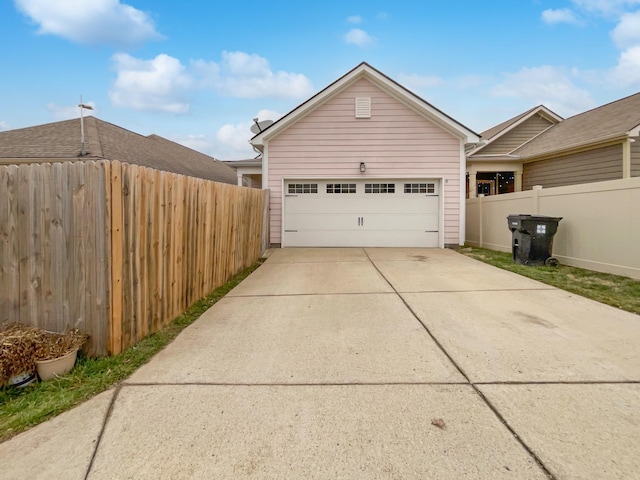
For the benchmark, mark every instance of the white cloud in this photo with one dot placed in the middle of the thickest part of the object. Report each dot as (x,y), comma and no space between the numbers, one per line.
(234,138)
(244,75)
(163,83)
(354,19)
(561,15)
(200,143)
(91,21)
(627,71)
(4,126)
(67,112)
(625,35)
(418,82)
(627,32)
(546,85)
(358,37)
(605,7)
(159,84)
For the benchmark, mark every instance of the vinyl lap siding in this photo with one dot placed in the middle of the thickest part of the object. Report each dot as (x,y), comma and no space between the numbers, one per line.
(516,137)
(585,167)
(635,159)
(395,142)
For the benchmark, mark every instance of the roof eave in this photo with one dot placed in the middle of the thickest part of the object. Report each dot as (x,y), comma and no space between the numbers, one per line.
(634,132)
(601,142)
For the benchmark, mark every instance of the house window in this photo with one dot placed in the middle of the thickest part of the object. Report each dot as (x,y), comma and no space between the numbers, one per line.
(341,188)
(303,188)
(379,188)
(492,183)
(419,188)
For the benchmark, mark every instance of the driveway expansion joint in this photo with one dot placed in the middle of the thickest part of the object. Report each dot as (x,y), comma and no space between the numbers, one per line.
(560,382)
(107,416)
(310,384)
(486,401)
(309,294)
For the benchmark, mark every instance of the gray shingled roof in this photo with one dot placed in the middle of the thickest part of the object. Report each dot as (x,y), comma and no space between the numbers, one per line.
(105,141)
(609,121)
(493,131)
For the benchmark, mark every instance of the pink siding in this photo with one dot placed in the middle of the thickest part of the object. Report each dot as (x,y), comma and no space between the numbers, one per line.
(395,142)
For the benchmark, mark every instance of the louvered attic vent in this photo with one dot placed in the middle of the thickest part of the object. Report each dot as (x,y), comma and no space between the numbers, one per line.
(363,107)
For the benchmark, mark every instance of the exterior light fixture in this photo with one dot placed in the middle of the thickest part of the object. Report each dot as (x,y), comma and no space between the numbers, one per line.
(363,167)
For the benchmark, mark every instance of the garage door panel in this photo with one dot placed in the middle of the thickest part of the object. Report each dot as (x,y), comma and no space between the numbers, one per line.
(342,238)
(363,218)
(322,221)
(400,222)
(316,205)
(361,205)
(367,222)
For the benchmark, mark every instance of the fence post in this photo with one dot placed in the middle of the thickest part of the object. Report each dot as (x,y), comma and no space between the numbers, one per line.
(481,220)
(535,190)
(114,184)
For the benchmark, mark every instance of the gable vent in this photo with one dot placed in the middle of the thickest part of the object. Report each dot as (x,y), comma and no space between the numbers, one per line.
(363,107)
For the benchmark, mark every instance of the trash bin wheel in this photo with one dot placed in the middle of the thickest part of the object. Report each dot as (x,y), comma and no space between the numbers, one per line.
(551,262)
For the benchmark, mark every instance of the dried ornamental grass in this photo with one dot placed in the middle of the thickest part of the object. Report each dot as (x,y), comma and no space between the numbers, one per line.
(52,345)
(21,346)
(17,350)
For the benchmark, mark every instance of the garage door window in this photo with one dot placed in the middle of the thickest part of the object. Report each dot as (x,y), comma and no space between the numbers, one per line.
(303,188)
(341,188)
(379,188)
(419,188)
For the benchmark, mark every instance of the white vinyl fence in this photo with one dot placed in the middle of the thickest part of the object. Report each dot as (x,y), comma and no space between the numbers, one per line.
(600,229)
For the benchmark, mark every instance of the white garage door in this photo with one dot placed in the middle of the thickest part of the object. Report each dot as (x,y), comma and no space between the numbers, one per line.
(362,213)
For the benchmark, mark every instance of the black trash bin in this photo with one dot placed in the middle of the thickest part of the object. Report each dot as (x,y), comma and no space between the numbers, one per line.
(532,239)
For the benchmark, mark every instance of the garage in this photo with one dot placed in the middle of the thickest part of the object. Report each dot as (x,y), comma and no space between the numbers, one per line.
(361,213)
(365,162)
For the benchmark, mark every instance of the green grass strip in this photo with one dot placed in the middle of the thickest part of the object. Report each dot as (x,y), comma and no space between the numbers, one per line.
(614,290)
(23,408)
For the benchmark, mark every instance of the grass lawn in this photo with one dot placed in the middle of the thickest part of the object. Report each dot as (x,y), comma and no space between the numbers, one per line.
(23,408)
(614,290)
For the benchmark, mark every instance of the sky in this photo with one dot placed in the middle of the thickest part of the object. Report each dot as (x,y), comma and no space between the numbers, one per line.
(198,72)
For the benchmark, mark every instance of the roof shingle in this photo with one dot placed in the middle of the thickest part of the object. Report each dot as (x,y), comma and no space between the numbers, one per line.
(606,122)
(103,140)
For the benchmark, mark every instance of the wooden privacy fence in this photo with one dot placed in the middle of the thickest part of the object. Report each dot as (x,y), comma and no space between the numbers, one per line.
(117,250)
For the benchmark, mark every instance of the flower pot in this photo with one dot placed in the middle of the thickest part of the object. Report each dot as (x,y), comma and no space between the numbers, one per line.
(48,369)
(22,379)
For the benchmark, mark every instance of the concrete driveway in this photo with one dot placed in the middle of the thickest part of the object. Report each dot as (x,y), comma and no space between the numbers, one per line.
(367,363)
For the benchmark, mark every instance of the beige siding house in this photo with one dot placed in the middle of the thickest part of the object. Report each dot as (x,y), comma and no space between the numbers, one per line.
(539,148)
(635,159)
(365,162)
(597,145)
(596,165)
(493,167)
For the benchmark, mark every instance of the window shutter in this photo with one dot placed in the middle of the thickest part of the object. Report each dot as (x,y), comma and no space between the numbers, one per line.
(363,107)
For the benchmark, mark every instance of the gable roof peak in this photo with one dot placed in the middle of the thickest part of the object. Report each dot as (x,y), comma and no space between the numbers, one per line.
(381,80)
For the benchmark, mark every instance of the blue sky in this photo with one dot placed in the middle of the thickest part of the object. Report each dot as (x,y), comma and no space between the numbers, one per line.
(198,72)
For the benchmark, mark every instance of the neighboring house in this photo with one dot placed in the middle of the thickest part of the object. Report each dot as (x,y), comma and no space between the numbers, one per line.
(249,171)
(365,162)
(597,145)
(61,141)
(492,165)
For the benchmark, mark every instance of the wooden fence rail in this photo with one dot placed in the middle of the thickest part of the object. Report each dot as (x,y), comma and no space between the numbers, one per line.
(117,250)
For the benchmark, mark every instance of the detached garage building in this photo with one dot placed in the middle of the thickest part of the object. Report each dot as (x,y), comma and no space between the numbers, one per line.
(365,163)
